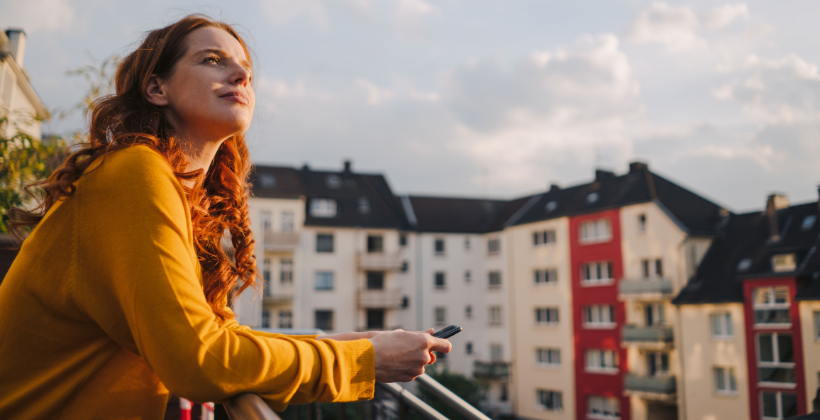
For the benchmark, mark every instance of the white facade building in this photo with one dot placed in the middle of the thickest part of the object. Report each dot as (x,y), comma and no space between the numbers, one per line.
(17,97)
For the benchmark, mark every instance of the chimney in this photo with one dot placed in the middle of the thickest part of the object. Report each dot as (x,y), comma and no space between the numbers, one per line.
(17,44)
(601,175)
(347,166)
(554,187)
(774,203)
(638,166)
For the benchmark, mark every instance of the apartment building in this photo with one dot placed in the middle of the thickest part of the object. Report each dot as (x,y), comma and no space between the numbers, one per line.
(752,317)
(17,96)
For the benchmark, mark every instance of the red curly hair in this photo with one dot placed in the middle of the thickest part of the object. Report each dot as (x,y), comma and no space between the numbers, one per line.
(218,201)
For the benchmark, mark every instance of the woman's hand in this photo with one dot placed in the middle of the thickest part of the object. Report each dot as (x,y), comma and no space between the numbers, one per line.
(350,336)
(401,355)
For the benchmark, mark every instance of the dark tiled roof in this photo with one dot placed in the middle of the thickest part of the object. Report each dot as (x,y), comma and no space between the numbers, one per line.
(457,215)
(746,238)
(694,213)
(276,182)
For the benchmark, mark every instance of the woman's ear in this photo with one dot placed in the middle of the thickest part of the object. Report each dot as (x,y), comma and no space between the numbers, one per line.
(155,92)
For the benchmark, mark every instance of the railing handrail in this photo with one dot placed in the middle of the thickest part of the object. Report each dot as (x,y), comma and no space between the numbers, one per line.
(450,398)
(249,407)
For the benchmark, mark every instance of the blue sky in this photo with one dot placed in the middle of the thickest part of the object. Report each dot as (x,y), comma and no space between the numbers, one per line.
(497,98)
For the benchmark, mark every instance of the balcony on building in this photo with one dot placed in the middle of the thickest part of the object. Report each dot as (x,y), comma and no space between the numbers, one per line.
(648,337)
(379,261)
(652,289)
(491,369)
(659,388)
(281,241)
(273,299)
(380,298)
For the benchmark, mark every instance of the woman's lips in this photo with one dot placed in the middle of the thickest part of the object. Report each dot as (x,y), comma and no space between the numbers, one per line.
(236,98)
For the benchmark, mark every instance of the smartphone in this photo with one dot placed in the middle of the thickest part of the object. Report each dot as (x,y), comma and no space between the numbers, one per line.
(448,332)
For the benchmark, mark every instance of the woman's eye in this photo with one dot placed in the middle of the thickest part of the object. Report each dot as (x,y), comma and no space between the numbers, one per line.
(214,60)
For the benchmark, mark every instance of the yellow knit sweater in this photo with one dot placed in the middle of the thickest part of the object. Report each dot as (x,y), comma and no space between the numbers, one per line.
(102,313)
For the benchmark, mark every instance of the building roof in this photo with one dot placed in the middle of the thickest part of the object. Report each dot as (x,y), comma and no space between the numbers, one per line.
(276,182)
(456,215)
(743,250)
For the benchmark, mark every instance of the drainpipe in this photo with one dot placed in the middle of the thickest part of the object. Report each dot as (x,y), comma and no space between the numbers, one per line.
(512,321)
(419,283)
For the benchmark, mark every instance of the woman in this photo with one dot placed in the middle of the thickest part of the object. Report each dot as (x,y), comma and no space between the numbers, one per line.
(119,295)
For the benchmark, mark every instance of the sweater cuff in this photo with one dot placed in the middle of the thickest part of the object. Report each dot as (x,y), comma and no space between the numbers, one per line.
(362,372)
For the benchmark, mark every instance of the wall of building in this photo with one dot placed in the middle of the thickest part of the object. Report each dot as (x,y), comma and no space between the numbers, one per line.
(700,353)
(528,376)
(811,348)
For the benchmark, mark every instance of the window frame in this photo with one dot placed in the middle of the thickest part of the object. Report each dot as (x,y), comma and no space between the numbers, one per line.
(494,316)
(727,385)
(591,311)
(442,311)
(326,274)
(551,396)
(493,246)
(324,312)
(597,267)
(604,361)
(549,310)
(436,243)
(606,406)
(551,354)
(724,322)
(494,279)
(323,208)
(285,271)
(778,401)
(597,224)
(775,363)
(282,316)
(549,276)
(440,275)
(324,236)
(771,306)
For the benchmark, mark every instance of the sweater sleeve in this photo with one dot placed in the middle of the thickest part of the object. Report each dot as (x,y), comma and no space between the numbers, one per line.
(135,276)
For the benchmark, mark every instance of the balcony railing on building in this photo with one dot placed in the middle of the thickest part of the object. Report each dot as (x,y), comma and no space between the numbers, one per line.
(651,337)
(277,298)
(645,289)
(491,369)
(380,298)
(662,388)
(379,261)
(281,241)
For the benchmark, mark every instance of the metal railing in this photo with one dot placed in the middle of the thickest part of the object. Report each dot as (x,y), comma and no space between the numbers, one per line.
(252,407)
(658,334)
(280,241)
(634,288)
(379,298)
(379,261)
(650,384)
(496,369)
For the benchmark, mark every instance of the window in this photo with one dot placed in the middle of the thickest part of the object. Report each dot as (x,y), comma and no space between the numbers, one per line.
(654,314)
(551,206)
(265,319)
(592,197)
(546,316)
(439,280)
(494,279)
(286,271)
(267,220)
(817,325)
(364,205)
(783,263)
(323,207)
(778,405)
(440,315)
(287,221)
(652,269)
(375,243)
(333,181)
(404,266)
(543,277)
(468,311)
(323,320)
(602,361)
(771,305)
(267,180)
(725,381)
(596,273)
(642,223)
(775,358)
(439,246)
(324,242)
(469,347)
(375,280)
(467,243)
(493,246)
(657,363)
(375,319)
(323,280)
(596,231)
(599,316)
(285,318)
(496,352)
(266,270)
(467,276)
(744,265)
(603,407)
(402,239)
(505,393)
(543,237)
(549,400)
(495,315)
(721,325)
(808,222)
(548,356)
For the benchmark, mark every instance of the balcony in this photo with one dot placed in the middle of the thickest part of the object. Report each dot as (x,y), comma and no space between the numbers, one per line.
(379,261)
(657,337)
(491,370)
(660,388)
(380,298)
(277,298)
(281,241)
(645,289)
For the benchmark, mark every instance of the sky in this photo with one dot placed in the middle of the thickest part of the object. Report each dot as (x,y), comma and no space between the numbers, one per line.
(485,98)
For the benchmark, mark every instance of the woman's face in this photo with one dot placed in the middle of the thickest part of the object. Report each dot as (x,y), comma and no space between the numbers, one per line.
(209,91)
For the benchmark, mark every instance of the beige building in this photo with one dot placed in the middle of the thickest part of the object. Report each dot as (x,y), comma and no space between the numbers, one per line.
(18,99)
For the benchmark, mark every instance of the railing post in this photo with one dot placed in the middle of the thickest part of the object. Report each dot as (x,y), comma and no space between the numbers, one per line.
(340,411)
(402,410)
(295,412)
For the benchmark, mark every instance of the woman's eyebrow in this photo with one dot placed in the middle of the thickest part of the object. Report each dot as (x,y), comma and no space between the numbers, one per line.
(222,53)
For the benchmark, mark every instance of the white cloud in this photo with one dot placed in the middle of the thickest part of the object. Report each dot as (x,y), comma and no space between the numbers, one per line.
(414,8)
(724,92)
(374,95)
(674,27)
(723,16)
(280,12)
(38,15)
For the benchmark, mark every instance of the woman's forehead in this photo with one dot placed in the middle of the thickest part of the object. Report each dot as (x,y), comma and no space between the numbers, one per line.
(211,38)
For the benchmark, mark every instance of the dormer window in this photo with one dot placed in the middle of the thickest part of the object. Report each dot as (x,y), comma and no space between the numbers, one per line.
(364,205)
(808,222)
(333,181)
(323,207)
(551,206)
(783,263)
(592,197)
(744,265)
(267,180)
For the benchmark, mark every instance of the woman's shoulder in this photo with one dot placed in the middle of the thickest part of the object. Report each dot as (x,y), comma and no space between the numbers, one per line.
(133,170)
